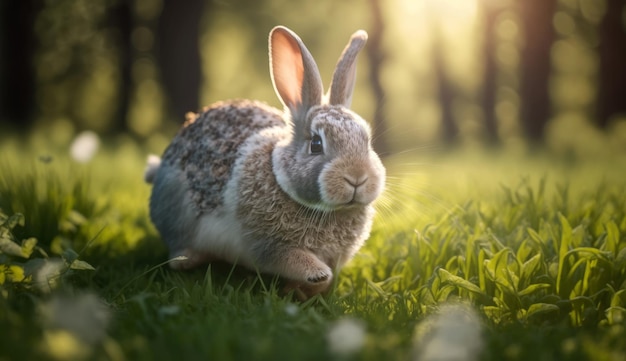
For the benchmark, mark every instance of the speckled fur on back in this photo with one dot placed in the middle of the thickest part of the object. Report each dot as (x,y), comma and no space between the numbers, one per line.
(206,147)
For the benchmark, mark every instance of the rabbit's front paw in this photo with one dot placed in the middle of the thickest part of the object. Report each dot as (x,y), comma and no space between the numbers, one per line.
(320,276)
(316,282)
(302,267)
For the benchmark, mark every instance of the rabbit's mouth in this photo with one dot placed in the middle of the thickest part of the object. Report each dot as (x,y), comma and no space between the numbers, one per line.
(352,204)
(353,192)
(355,202)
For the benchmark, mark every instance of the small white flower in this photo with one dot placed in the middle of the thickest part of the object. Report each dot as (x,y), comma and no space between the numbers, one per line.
(454,334)
(170,310)
(84,146)
(346,336)
(47,274)
(84,316)
(291,309)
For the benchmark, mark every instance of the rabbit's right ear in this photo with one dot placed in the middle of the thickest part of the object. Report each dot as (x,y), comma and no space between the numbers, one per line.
(294,73)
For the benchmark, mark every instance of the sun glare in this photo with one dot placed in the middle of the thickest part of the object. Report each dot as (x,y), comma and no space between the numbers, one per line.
(452,18)
(417,29)
(447,11)
(460,10)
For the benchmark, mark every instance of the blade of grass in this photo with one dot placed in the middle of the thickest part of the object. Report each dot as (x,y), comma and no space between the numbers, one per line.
(566,236)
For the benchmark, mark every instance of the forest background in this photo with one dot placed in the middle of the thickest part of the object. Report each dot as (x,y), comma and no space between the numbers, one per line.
(512,73)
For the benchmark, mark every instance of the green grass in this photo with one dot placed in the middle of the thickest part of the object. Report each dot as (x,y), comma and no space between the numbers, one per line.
(536,247)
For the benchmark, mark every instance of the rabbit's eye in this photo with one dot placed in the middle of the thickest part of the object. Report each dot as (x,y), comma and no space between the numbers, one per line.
(317,147)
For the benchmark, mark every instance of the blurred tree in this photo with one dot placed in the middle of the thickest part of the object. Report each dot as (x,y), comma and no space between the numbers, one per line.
(17,73)
(77,64)
(120,18)
(178,38)
(612,73)
(376,57)
(538,32)
(445,93)
(490,15)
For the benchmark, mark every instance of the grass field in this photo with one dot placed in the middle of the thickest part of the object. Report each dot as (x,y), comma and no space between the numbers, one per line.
(489,257)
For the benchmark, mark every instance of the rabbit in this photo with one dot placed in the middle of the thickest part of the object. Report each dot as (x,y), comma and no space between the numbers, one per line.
(288,193)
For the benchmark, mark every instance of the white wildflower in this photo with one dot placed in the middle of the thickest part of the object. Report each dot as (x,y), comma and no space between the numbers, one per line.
(84,316)
(84,146)
(346,336)
(170,310)
(47,274)
(291,309)
(454,334)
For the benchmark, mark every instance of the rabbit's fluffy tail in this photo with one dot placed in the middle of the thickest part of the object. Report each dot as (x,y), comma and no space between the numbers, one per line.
(152,166)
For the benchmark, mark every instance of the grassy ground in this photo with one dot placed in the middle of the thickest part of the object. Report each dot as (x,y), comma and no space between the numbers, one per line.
(530,253)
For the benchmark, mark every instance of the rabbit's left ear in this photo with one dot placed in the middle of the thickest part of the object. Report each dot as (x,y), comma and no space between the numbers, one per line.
(294,73)
(344,77)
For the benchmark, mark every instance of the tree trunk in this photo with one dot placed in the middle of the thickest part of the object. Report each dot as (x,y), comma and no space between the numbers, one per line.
(121,18)
(376,57)
(538,33)
(612,56)
(445,94)
(178,37)
(490,73)
(17,73)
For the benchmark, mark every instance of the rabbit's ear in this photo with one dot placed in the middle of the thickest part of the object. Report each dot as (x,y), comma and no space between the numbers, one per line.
(342,85)
(294,73)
